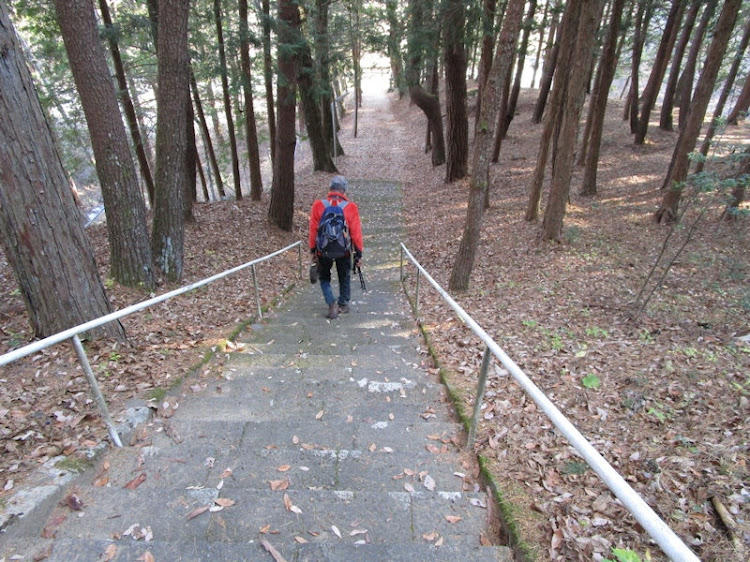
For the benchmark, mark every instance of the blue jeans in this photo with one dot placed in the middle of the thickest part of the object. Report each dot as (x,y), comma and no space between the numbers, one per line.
(343,268)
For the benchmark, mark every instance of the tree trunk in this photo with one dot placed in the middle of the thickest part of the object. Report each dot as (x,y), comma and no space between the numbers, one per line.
(268,77)
(694,119)
(667,105)
(565,43)
(742,104)
(642,19)
(540,43)
(548,71)
(455,91)
(739,190)
(724,96)
(127,103)
(171,142)
(428,103)
(228,114)
(685,84)
(510,111)
(251,132)
(281,209)
(305,78)
(502,66)
(575,95)
(394,50)
(206,135)
(190,193)
(40,227)
(485,58)
(598,101)
(323,64)
(651,91)
(131,262)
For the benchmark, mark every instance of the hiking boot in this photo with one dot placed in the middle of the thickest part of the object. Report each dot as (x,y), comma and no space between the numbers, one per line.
(333,311)
(344,308)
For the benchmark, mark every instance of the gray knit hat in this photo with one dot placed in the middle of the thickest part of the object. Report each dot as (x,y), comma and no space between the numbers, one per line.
(339,183)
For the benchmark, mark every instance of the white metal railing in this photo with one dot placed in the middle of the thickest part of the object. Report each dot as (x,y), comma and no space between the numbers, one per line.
(74,332)
(669,542)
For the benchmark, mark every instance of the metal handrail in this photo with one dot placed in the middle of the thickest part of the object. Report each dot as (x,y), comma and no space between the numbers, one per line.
(664,536)
(74,332)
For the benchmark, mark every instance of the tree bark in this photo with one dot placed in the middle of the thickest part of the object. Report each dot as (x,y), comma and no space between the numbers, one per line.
(694,120)
(206,135)
(642,19)
(598,101)
(685,84)
(394,50)
(651,91)
(455,91)
(510,111)
(667,105)
(321,152)
(131,262)
(575,95)
(281,209)
(251,132)
(428,103)
(480,177)
(724,96)
(40,227)
(323,64)
(552,119)
(548,69)
(171,139)
(228,113)
(742,104)
(485,57)
(127,102)
(268,77)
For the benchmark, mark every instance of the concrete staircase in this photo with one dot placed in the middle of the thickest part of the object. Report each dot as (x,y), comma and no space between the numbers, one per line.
(321,440)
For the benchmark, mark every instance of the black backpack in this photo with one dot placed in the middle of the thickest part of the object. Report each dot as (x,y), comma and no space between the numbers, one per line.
(333,240)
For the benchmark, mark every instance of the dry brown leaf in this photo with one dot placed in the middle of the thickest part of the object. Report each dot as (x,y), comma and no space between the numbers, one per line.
(430,536)
(101,481)
(265,528)
(146,557)
(197,511)
(224,502)
(135,482)
(319,415)
(283,468)
(277,485)
(301,540)
(109,553)
(226,474)
(452,518)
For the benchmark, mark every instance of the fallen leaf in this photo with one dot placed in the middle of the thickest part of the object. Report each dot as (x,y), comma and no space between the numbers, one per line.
(197,511)
(147,557)
(429,483)
(109,553)
(319,414)
(226,474)
(356,532)
(295,509)
(452,518)
(224,502)
(430,536)
(301,540)
(135,482)
(101,481)
(439,542)
(283,468)
(265,528)
(277,485)
(336,531)
(287,502)
(372,447)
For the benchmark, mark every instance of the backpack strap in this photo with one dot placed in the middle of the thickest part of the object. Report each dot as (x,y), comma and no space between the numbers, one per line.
(326,203)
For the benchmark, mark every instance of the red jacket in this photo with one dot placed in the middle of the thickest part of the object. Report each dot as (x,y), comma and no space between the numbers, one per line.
(351,215)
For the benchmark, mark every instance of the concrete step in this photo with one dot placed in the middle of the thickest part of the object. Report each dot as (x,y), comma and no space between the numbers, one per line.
(128,550)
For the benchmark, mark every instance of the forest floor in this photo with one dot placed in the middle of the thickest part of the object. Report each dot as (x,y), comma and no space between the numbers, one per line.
(665,397)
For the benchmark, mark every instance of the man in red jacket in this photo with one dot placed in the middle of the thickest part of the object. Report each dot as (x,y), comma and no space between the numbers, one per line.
(336,197)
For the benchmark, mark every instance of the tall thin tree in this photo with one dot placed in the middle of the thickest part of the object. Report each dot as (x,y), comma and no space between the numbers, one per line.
(131,262)
(228,113)
(454,16)
(689,135)
(502,66)
(167,240)
(251,132)
(281,208)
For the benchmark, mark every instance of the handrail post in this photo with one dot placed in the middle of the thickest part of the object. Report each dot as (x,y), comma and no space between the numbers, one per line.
(401,264)
(98,398)
(483,372)
(299,254)
(416,297)
(257,292)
